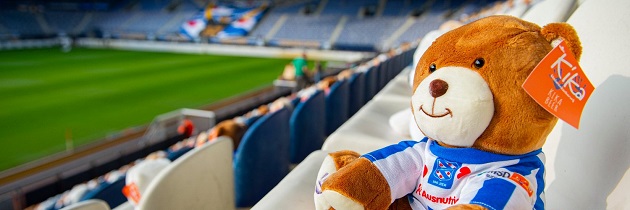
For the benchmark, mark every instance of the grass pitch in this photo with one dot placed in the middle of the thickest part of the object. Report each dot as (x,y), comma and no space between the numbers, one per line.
(45,93)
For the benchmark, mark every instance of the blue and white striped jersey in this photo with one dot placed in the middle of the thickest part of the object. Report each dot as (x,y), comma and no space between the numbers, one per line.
(436,177)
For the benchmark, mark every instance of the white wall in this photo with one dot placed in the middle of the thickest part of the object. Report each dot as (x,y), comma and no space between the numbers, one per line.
(29,43)
(236,50)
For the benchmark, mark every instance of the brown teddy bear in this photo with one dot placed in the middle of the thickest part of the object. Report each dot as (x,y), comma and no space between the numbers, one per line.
(484,134)
(230,128)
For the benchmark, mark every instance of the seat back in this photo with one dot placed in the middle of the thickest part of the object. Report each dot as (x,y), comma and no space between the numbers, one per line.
(111,193)
(308,127)
(200,179)
(382,74)
(395,68)
(371,84)
(357,93)
(587,167)
(92,204)
(262,159)
(337,106)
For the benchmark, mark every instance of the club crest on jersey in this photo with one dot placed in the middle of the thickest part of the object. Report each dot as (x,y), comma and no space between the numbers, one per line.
(443,173)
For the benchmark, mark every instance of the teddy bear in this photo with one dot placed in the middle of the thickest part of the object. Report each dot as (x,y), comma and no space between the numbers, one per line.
(230,128)
(484,133)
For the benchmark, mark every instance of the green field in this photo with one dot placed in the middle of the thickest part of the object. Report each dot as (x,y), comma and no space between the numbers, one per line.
(90,93)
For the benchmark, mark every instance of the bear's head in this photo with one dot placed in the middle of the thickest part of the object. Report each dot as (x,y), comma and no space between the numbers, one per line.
(467,87)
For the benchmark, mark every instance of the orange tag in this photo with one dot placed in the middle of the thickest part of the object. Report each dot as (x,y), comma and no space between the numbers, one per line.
(131,191)
(559,85)
(523,182)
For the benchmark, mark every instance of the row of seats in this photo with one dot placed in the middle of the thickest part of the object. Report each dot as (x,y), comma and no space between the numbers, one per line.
(289,135)
(291,129)
(149,16)
(358,32)
(581,173)
(191,177)
(365,33)
(401,7)
(346,7)
(108,187)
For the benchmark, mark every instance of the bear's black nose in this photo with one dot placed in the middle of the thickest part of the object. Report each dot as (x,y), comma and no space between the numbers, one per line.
(438,88)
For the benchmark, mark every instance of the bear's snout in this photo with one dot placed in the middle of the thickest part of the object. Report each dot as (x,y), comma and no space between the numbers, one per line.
(438,88)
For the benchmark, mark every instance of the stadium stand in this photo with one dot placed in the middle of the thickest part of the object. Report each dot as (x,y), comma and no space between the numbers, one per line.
(300,27)
(294,7)
(153,5)
(265,26)
(364,33)
(345,7)
(320,24)
(192,140)
(23,23)
(147,22)
(400,7)
(112,22)
(64,22)
(271,142)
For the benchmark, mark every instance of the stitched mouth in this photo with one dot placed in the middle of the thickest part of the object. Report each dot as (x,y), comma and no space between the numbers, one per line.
(448,112)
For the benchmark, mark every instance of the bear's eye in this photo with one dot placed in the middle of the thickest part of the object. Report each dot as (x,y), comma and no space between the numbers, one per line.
(432,68)
(479,62)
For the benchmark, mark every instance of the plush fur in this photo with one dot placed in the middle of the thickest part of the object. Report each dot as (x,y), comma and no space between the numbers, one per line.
(229,128)
(511,49)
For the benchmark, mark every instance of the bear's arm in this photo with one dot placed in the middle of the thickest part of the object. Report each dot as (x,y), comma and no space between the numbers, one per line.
(400,164)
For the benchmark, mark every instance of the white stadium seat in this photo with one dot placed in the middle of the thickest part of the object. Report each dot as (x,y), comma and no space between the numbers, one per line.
(550,11)
(93,204)
(588,168)
(298,186)
(201,179)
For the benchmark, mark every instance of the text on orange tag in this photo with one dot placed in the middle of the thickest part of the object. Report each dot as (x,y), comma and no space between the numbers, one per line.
(559,85)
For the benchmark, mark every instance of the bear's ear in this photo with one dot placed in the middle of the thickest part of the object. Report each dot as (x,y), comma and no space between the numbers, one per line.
(553,31)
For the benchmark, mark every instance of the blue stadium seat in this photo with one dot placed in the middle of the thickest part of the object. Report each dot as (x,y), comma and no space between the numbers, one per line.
(367,33)
(301,27)
(262,159)
(295,102)
(337,106)
(409,56)
(346,7)
(110,193)
(397,66)
(393,68)
(370,83)
(308,127)
(173,155)
(357,93)
(251,120)
(382,74)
